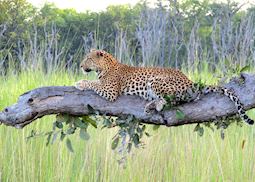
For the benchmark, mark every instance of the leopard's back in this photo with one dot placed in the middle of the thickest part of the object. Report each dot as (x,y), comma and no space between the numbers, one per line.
(165,81)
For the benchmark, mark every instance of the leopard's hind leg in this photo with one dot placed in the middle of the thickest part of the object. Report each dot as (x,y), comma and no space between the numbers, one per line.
(155,94)
(158,87)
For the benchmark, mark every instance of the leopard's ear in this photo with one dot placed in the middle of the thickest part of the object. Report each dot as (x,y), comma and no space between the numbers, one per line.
(100,53)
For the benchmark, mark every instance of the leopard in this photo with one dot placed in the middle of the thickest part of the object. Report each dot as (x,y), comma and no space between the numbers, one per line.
(150,83)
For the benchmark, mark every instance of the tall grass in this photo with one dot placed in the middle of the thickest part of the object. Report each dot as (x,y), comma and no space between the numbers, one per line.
(170,154)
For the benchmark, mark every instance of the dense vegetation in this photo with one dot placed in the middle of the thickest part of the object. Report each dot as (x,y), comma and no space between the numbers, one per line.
(186,33)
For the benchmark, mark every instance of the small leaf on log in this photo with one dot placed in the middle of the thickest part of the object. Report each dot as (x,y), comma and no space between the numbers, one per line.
(84,134)
(64,118)
(62,136)
(69,145)
(59,125)
(136,140)
(49,137)
(115,143)
(54,137)
(129,147)
(245,68)
(89,120)
(70,131)
(201,131)
(81,124)
(155,127)
(179,114)
(222,134)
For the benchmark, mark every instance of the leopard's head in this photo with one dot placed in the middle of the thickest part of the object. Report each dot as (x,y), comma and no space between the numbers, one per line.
(99,61)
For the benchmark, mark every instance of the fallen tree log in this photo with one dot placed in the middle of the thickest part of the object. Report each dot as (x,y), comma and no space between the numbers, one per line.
(69,100)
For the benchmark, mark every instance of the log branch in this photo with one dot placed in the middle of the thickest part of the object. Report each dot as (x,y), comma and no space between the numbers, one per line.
(61,99)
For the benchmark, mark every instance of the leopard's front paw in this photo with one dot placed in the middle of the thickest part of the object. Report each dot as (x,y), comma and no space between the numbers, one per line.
(81,85)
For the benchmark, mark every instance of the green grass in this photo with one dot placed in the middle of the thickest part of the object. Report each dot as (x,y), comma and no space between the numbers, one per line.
(171,154)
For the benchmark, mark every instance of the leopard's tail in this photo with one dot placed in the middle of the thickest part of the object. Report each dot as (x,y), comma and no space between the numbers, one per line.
(231,95)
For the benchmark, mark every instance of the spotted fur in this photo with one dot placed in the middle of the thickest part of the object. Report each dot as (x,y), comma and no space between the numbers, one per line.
(151,83)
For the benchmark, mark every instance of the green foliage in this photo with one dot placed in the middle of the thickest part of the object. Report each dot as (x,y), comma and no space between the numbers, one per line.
(69,145)
(170,102)
(84,134)
(89,120)
(179,114)
(156,127)
(115,143)
(235,70)
(220,124)
(65,126)
(245,69)
(130,133)
(199,130)
(199,85)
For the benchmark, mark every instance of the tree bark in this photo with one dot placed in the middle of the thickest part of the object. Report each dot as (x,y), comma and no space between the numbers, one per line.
(61,99)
